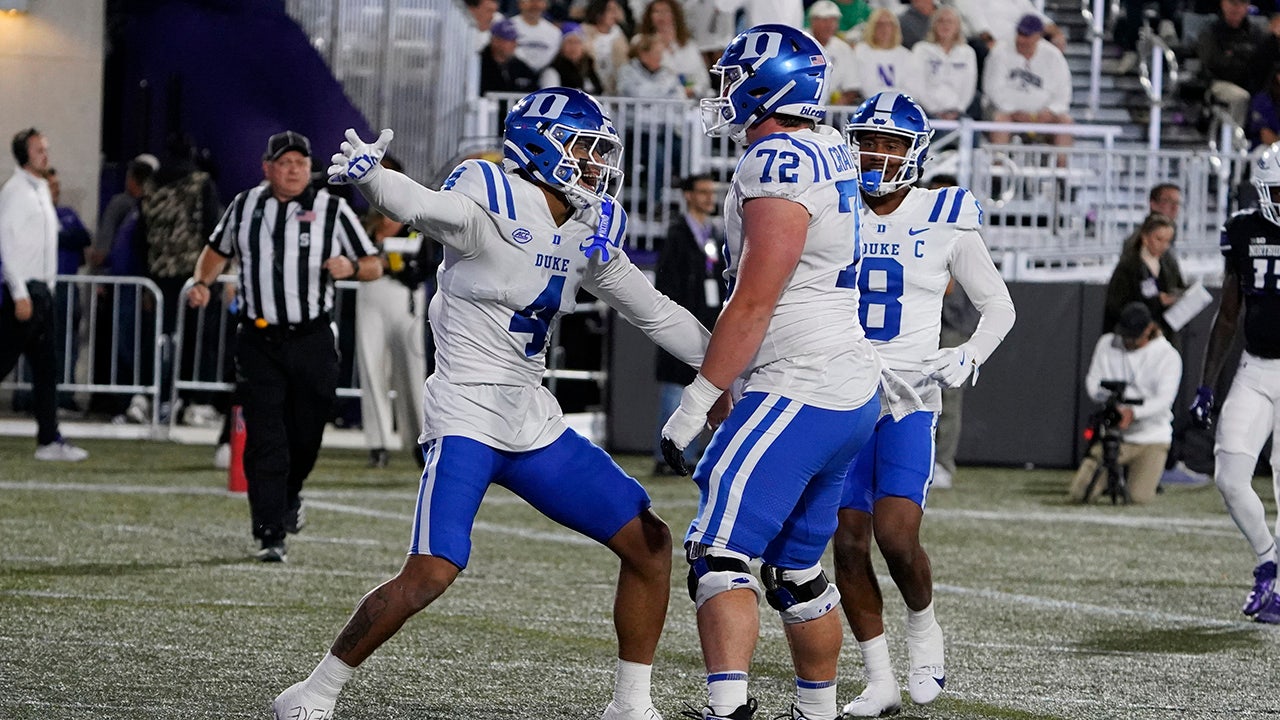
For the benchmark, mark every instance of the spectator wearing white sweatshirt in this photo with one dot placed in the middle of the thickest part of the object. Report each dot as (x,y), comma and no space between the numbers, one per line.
(946,67)
(1028,83)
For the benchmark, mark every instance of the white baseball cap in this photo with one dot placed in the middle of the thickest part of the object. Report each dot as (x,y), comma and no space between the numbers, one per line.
(824,9)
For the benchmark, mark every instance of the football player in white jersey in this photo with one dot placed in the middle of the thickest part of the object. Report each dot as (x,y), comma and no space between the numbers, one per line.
(913,242)
(770,480)
(1251,413)
(520,239)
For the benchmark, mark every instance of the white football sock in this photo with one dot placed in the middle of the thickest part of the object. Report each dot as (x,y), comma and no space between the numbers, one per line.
(919,623)
(816,700)
(726,691)
(875,658)
(329,676)
(631,686)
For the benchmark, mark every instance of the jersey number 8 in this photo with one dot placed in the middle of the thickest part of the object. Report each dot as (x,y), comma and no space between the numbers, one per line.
(880,297)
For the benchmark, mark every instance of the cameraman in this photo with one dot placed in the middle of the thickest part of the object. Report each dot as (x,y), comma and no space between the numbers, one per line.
(1137,354)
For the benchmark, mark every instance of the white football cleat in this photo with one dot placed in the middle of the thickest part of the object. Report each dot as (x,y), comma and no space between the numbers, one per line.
(613,712)
(298,704)
(928,674)
(880,698)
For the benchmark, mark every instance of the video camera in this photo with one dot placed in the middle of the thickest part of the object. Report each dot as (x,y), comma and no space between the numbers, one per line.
(1104,427)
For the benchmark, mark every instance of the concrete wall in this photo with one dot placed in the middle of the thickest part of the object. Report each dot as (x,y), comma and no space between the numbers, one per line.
(51,77)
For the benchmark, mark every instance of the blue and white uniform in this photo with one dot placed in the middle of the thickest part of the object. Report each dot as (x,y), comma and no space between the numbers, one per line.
(770,480)
(908,258)
(508,274)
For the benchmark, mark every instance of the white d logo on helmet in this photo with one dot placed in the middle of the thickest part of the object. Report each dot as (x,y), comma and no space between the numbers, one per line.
(752,48)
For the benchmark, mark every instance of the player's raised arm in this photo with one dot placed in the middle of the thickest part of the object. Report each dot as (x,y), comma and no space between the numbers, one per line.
(439,214)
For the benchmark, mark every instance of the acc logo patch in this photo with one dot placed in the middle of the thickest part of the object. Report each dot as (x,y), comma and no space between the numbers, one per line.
(521,236)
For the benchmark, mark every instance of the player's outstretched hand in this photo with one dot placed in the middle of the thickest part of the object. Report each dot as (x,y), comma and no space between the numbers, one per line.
(1202,407)
(950,367)
(687,421)
(356,159)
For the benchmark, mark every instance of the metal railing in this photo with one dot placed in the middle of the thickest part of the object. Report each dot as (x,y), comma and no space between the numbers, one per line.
(123,313)
(1047,209)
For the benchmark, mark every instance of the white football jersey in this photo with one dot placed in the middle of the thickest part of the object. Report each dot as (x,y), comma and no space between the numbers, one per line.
(814,350)
(509,272)
(907,259)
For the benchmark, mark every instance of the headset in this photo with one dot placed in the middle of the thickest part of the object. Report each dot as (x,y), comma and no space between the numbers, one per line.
(20,151)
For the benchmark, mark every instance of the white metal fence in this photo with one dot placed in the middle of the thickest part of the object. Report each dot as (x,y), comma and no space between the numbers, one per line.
(111,342)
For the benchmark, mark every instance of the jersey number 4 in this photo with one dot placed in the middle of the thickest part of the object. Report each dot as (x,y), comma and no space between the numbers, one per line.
(536,318)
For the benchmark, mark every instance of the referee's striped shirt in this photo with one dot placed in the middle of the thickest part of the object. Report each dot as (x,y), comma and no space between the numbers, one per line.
(282,250)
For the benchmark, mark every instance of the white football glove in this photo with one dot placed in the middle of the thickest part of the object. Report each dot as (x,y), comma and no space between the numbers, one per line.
(357,159)
(687,421)
(950,367)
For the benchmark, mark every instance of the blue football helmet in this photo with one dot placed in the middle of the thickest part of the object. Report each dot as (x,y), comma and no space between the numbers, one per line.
(563,139)
(769,69)
(889,113)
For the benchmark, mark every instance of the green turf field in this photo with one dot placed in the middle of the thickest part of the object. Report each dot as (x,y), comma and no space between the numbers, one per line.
(127,590)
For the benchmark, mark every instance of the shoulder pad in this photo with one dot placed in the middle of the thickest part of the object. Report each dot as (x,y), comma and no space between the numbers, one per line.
(955,206)
(486,184)
(781,165)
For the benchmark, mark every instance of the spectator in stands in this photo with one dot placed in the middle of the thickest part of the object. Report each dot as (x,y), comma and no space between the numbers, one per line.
(605,41)
(1135,353)
(842,74)
(1148,274)
(573,66)
(711,29)
(645,76)
(883,63)
(996,22)
(1130,24)
(500,69)
(484,13)
(759,12)
(28,251)
(690,271)
(1028,82)
(1165,199)
(853,13)
(946,78)
(665,19)
(537,38)
(1228,51)
(1264,113)
(915,22)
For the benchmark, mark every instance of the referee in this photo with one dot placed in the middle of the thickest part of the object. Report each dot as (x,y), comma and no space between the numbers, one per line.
(292,242)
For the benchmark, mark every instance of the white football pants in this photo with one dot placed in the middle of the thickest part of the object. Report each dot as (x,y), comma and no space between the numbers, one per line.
(1249,416)
(392,356)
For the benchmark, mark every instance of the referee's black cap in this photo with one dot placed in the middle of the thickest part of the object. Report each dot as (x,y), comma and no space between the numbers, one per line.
(281,143)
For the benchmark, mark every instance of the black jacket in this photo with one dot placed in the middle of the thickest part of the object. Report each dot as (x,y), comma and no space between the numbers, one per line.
(681,275)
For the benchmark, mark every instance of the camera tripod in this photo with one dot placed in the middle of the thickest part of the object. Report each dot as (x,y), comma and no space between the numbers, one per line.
(1117,484)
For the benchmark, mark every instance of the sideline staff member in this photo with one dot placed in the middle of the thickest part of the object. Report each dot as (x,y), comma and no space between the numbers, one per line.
(292,242)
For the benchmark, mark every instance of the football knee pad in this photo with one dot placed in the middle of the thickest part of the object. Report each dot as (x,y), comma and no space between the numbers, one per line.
(799,595)
(713,571)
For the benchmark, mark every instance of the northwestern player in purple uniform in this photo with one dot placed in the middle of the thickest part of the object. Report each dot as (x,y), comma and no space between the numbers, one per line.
(520,239)
(1251,413)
